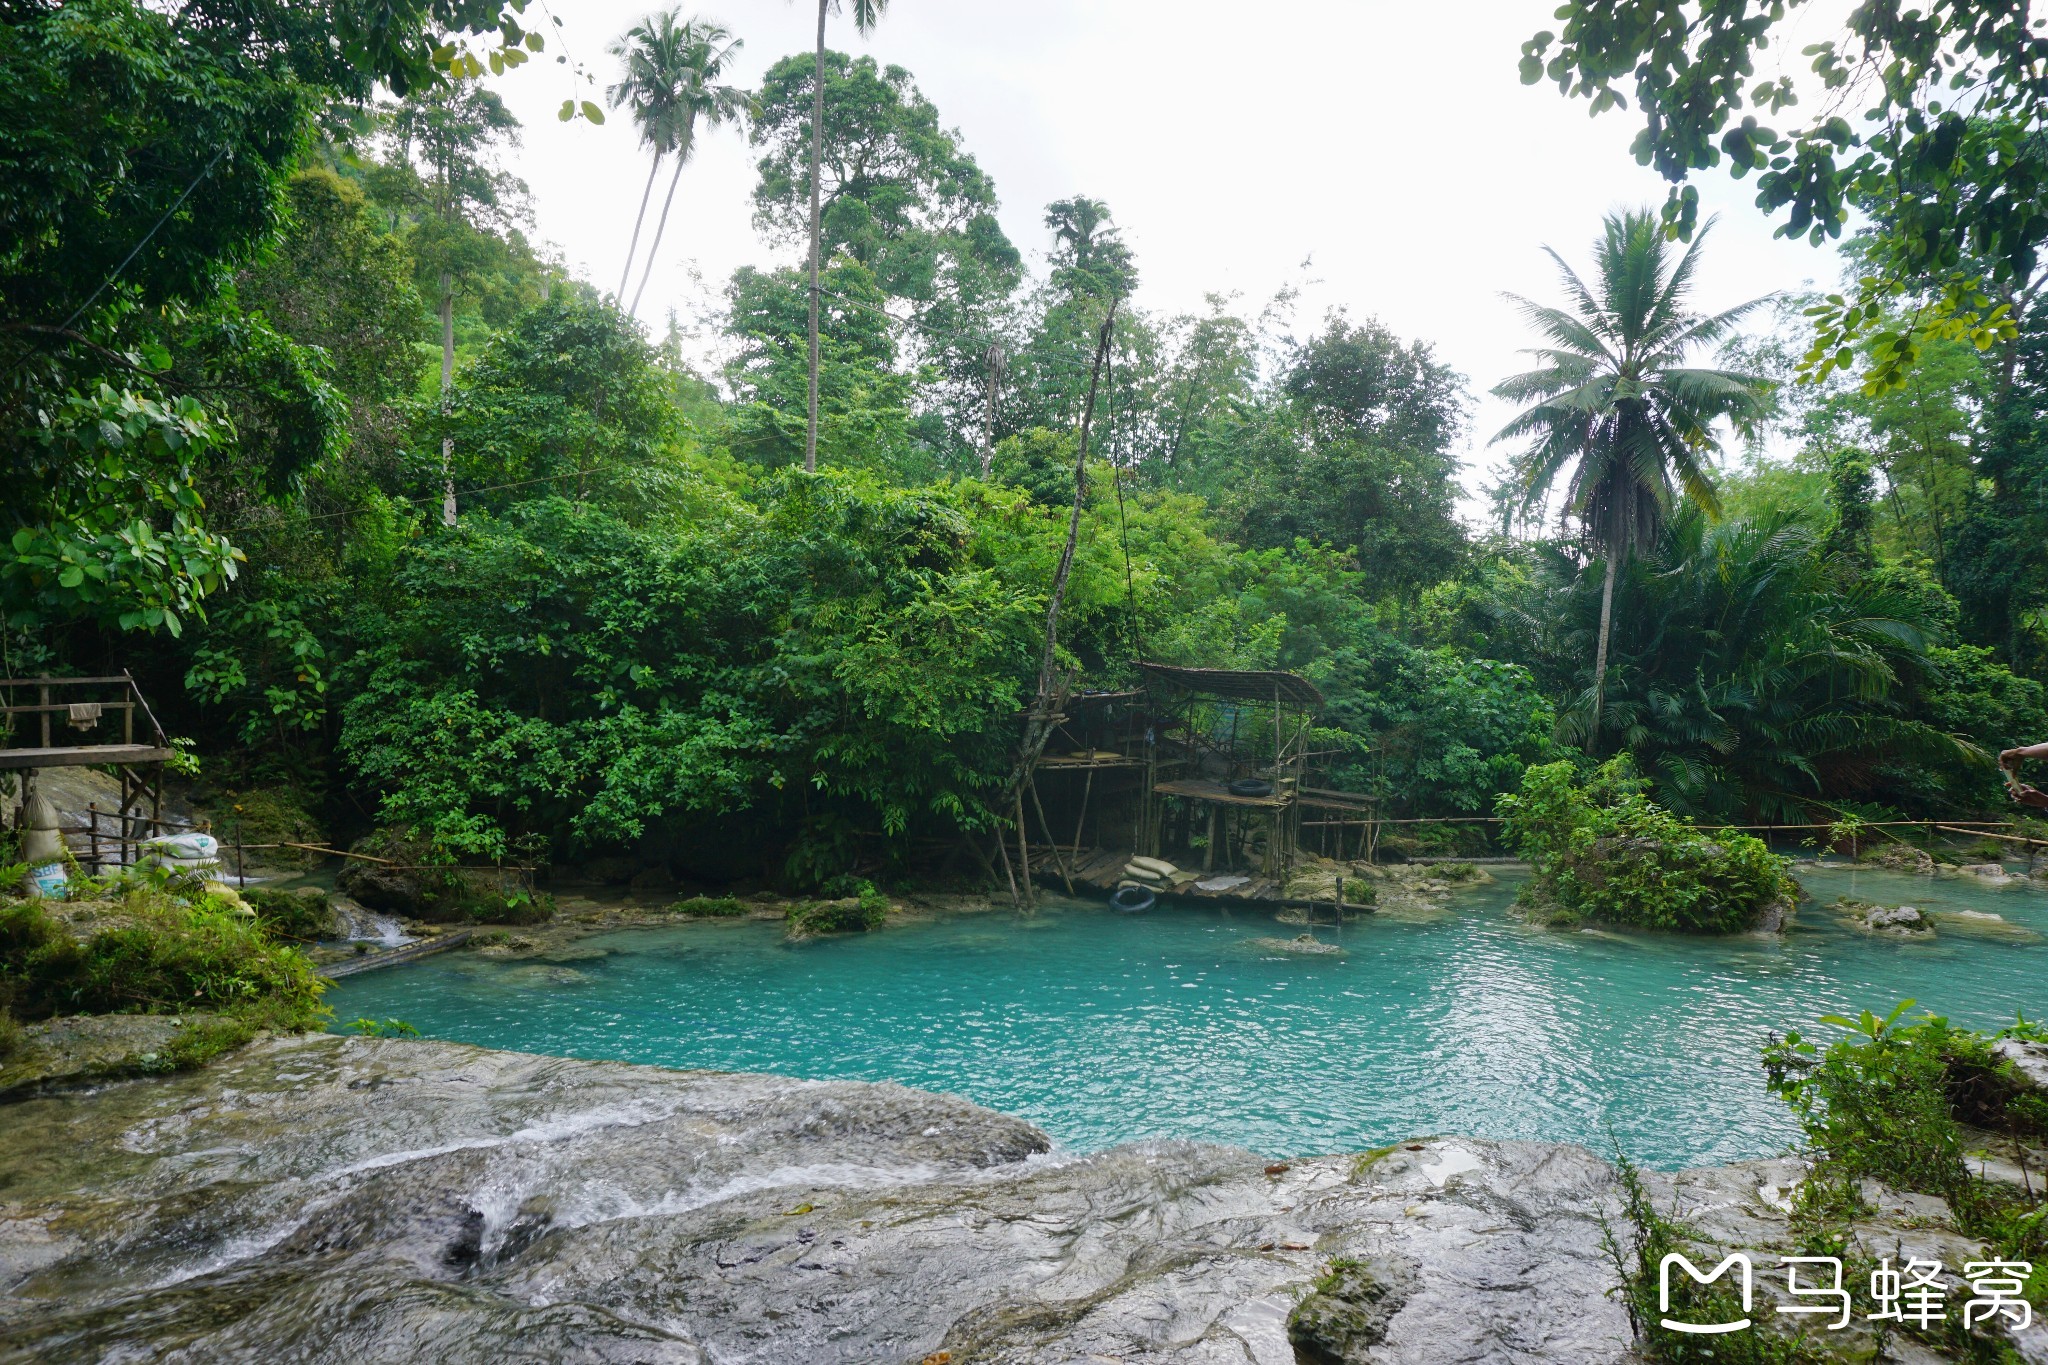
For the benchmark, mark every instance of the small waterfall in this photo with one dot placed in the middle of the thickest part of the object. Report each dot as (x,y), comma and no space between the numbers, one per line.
(366,926)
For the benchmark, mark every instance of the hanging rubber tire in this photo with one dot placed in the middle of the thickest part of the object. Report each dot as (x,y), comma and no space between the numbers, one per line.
(1250,786)
(1133,900)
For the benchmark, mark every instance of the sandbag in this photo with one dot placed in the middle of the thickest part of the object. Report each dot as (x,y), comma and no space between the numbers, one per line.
(51,880)
(1143,874)
(41,839)
(1158,866)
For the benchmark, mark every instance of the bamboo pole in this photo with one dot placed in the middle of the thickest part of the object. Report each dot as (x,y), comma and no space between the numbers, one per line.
(1058,859)
(1024,850)
(1087,788)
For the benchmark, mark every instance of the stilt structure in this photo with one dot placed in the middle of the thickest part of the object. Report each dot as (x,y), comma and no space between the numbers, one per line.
(70,723)
(1202,767)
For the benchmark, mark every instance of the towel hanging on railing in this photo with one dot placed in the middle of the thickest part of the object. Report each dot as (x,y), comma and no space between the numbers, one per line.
(84,714)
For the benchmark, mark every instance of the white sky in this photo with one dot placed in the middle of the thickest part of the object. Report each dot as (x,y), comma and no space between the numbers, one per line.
(1389,141)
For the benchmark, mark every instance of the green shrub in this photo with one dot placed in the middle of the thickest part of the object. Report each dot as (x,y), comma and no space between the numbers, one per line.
(157,954)
(303,915)
(1887,1102)
(1602,850)
(1638,1258)
(11,1035)
(709,907)
(1359,891)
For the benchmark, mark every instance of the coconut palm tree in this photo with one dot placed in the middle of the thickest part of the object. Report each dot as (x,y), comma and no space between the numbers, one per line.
(670,82)
(1614,401)
(866,14)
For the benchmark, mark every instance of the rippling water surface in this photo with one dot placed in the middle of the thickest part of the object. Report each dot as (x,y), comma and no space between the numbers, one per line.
(1103,1027)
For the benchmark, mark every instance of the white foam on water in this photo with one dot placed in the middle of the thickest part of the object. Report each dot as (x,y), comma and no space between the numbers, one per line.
(559,1128)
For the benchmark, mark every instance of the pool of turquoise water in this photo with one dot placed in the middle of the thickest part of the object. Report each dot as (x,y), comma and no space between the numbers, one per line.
(1103,1027)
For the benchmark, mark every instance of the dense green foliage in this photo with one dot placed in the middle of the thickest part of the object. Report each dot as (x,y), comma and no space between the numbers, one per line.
(1602,850)
(648,633)
(1926,118)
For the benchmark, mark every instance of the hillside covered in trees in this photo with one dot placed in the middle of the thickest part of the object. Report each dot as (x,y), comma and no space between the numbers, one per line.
(406,525)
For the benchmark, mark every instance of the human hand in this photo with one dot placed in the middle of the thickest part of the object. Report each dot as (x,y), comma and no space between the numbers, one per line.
(2030,796)
(2010,759)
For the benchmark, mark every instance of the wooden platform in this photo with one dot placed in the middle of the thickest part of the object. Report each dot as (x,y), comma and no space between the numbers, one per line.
(83,756)
(1100,869)
(1072,762)
(1197,789)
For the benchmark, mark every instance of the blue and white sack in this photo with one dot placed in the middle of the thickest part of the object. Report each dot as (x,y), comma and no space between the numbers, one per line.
(182,852)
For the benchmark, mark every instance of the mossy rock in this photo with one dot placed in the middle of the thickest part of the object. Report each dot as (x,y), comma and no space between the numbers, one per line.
(83,1048)
(268,815)
(846,915)
(709,907)
(300,915)
(405,881)
(1346,1312)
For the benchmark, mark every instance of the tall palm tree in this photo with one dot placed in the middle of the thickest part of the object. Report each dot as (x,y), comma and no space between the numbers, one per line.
(866,14)
(1614,400)
(670,82)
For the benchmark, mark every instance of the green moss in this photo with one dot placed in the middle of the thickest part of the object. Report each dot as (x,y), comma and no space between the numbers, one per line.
(849,915)
(269,815)
(1344,1314)
(1359,891)
(304,915)
(1365,1161)
(709,907)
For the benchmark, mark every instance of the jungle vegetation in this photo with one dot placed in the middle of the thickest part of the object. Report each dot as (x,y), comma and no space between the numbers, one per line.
(412,528)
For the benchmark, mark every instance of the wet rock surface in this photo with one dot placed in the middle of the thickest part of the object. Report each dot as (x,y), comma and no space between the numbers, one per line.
(384,1200)
(77,1048)
(357,1199)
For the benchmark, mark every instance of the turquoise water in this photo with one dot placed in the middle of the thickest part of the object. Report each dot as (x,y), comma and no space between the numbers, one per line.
(1103,1027)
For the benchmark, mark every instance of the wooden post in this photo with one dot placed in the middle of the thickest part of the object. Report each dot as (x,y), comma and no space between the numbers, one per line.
(44,693)
(1003,848)
(1024,850)
(92,821)
(1209,853)
(1087,787)
(1059,859)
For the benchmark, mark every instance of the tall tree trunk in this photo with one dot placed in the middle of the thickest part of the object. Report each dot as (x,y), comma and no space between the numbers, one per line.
(1600,651)
(1038,720)
(817,174)
(660,228)
(626,271)
(988,426)
(447,383)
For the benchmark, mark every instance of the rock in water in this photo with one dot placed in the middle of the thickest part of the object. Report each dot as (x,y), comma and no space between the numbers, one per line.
(1902,921)
(372,1200)
(1305,944)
